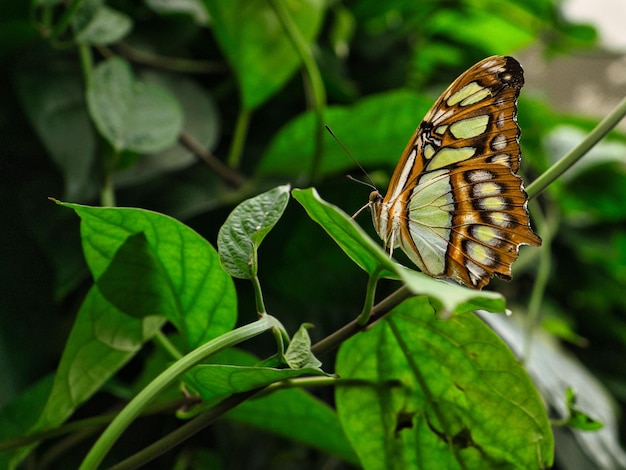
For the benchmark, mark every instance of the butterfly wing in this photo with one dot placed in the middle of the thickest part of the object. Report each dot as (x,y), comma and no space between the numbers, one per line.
(455,204)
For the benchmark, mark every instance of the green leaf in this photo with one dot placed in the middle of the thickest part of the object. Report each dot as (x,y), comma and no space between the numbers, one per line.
(193,8)
(95,23)
(19,416)
(375,131)
(254,42)
(137,283)
(483,28)
(102,340)
(54,102)
(298,354)
(578,419)
(219,381)
(447,298)
(245,228)
(297,415)
(139,117)
(202,121)
(200,297)
(439,394)
(292,413)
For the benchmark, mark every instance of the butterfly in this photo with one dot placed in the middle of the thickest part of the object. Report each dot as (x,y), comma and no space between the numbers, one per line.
(455,204)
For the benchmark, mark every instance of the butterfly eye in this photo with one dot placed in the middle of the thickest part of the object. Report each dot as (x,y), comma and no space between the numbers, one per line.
(375,197)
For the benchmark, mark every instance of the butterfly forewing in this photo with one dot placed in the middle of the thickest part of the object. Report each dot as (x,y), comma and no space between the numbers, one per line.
(455,204)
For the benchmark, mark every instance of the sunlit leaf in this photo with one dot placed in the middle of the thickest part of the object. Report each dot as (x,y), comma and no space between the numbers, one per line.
(429,393)
(199,298)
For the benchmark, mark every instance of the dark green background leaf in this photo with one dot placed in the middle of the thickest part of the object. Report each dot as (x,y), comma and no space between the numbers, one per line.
(140,117)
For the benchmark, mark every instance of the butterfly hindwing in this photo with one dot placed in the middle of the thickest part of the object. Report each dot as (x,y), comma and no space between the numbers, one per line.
(455,204)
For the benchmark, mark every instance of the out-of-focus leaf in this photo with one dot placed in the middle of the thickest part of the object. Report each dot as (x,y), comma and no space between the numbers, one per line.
(96,23)
(54,103)
(139,117)
(375,131)
(256,45)
(194,8)
(482,28)
(202,122)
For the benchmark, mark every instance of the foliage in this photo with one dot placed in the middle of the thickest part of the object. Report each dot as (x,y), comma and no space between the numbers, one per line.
(203,110)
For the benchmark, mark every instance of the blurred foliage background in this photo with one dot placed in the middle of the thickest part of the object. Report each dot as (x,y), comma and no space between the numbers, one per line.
(223,107)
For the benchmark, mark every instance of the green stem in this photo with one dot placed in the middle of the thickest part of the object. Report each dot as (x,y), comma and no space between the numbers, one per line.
(370,294)
(166,378)
(258,295)
(547,227)
(167,345)
(317,90)
(200,422)
(335,339)
(560,167)
(241,131)
(65,20)
(86,62)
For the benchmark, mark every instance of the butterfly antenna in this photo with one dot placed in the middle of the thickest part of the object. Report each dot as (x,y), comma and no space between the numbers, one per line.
(371,183)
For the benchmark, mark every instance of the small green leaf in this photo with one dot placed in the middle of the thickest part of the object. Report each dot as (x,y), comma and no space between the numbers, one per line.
(578,419)
(245,228)
(248,31)
(447,297)
(139,117)
(439,394)
(198,296)
(96,23)
(219,381)
(298,354)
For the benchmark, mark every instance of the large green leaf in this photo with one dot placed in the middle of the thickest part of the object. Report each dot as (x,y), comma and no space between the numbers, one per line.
(140,117)
(375,131)
(254,42)
(196,294)
(297,415)
(446,297)
(102,340)
(431,394)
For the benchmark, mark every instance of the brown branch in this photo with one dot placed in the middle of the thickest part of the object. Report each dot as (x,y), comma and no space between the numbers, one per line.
(230,176)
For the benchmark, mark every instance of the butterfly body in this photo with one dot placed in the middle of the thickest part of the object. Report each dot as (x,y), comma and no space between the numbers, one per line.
(455,204)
